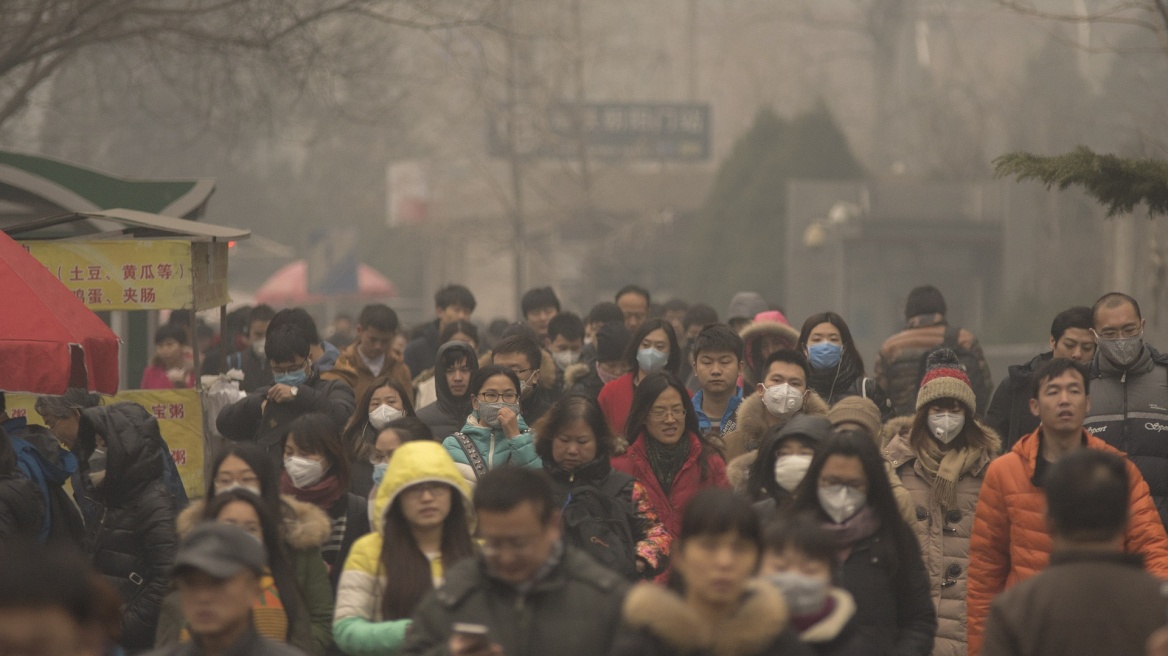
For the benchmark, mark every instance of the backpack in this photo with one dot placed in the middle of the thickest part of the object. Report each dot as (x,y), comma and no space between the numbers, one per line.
(969,364)
(599,521)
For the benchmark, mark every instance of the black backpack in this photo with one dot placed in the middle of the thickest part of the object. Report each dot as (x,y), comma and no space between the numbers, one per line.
(599,521)
(969,364)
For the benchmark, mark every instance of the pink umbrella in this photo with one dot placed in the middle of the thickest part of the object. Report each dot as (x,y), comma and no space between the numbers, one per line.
(289,286)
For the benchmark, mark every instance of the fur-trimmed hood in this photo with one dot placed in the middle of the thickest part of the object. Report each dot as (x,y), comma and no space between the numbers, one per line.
(575,373)
(305,525)
(760,619)
(752,336)
(744,440)
(893,427)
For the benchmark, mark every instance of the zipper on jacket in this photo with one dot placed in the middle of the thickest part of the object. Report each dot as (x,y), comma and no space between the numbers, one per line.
(1123,425)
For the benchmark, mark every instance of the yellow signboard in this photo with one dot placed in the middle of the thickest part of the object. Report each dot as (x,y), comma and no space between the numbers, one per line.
(138,274)
(180,419)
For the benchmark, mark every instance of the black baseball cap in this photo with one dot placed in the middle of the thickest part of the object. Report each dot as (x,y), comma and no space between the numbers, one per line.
(221,550)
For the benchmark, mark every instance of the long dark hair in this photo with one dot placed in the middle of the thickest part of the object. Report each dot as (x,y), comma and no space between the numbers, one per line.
(643,399)
(566,411)
(851,353)
(291,596)
(856,444)
(674,363)
(261,465)
(408,569)
(316,433)
(356,444)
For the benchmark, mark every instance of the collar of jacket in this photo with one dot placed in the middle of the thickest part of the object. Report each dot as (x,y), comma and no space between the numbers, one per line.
(247,645)
(757,622)
(1020,373)
(1077,556)
(1029,449)
(590,473)
(471,575)
(1101,366)
(925,321)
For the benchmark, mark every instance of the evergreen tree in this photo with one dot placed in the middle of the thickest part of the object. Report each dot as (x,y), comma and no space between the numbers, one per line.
(740,238)
(1119,183)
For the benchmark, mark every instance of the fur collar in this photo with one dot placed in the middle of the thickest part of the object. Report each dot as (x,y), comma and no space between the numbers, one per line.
(575,373)
(829,628)
(738,471)
(759,620)
(305,525)
(894,426)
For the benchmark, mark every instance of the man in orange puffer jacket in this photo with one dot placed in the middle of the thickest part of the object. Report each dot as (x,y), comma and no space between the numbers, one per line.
(1010,542)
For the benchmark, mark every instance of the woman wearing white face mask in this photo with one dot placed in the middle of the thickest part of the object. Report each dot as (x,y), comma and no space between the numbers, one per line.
(783,459)
(317,471)
(847,490)
(303,530)
(383,402)
(942,462)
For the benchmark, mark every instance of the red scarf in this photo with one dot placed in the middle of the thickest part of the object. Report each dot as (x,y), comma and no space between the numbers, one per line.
(322,495)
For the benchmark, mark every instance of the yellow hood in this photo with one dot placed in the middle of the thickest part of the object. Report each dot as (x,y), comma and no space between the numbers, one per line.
(413,463)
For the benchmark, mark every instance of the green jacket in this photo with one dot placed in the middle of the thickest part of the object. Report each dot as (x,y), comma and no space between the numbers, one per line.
(305,529)
(573,611)
(496,449)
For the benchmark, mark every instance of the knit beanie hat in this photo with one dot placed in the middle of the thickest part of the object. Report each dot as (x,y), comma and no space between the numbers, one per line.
(945,378)
(745,305)
(859,410)
(925,299)
(611,341)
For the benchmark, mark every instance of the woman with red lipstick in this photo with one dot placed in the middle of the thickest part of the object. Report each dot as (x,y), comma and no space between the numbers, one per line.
(575,445)
(668,454)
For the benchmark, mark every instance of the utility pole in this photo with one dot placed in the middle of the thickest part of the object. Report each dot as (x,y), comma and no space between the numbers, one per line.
(514,157)
(692,45)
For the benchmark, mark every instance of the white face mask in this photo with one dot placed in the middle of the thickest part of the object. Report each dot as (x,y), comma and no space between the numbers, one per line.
(782,399)
(383,414)
(565,359)
(841,502)
(790,470)
(238,486)
(946,426)
(258,347)
(304,472)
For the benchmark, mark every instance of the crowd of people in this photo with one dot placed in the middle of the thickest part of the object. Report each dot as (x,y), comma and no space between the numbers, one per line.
(645,479)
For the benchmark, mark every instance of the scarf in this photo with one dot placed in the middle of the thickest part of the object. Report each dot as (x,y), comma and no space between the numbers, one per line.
(322,495)
(804,622)
(946,468)
(268,615)
(830,383)
(862,525)
(666,460)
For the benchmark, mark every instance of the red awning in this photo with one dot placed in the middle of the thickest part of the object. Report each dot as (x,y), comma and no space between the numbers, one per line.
(49,340)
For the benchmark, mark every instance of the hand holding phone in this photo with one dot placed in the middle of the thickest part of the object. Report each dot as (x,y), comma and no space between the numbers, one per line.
(472,640)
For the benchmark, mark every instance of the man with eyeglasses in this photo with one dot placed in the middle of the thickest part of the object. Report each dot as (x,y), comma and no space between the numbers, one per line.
(1129,392)
(523,357)
(262,416)
(526,593)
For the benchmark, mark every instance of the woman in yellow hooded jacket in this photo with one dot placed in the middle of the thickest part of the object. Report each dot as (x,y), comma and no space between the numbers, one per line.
(422,524)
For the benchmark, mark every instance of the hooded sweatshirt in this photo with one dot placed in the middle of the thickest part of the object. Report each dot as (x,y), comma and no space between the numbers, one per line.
(359,628)
(449,412)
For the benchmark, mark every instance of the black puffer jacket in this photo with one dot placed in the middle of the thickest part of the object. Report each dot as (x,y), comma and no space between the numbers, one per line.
(21,508)
(894,608)
(1009,412)
(133,543)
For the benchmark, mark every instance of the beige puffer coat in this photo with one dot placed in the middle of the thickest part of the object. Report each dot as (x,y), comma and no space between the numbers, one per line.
(944,536)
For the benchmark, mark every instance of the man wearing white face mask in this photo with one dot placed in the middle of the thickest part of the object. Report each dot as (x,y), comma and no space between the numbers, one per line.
(1129,402)
(782,395)
(942,463)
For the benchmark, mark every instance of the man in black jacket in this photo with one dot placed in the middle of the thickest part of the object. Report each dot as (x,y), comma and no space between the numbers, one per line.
(263,415)
(452,303)
(1009,411)
(532,595)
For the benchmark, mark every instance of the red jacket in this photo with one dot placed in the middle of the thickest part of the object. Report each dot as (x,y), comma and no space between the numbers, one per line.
(616,400)
(1010,542)
(688,482)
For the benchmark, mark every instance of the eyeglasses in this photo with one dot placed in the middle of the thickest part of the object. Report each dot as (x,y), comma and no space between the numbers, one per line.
(1130,330)
(289,369)
(494,397)
(661,414)
(377,457)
